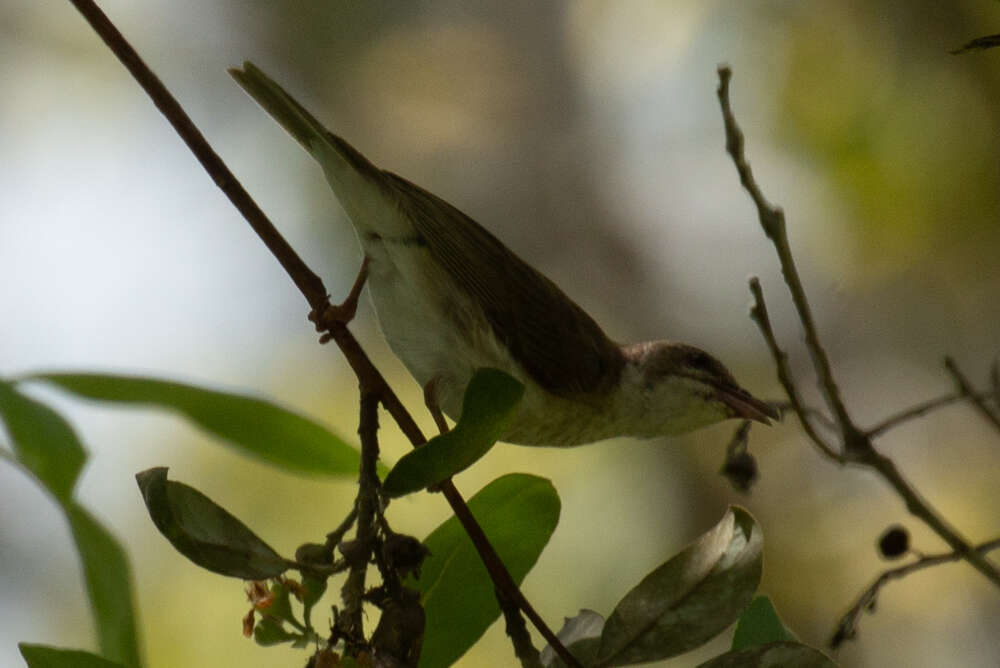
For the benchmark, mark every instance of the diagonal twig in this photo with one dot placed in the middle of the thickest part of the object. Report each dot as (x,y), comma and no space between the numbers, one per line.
(923,408)
(772,220)
(965,388)
(847,627)
(758,312)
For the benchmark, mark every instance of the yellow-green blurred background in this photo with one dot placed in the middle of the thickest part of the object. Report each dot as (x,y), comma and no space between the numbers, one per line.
(587,136)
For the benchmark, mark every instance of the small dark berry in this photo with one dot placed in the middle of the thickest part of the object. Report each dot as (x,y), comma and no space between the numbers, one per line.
(894,542)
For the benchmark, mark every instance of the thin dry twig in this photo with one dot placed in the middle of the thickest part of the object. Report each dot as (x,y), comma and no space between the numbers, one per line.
(923,408)
(965,388)
(758,312)
(857,447)
(350,624)
(311,287)
(772,220)
(334,538)
(979,43)
(847,628)
(526,652)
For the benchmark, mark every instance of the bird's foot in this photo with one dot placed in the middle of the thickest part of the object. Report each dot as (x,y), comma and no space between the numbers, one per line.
(340,314)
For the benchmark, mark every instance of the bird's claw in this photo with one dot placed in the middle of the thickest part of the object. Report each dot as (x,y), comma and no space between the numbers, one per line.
(330,315)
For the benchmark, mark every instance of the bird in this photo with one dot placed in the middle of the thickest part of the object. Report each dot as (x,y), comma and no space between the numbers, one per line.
(450,299)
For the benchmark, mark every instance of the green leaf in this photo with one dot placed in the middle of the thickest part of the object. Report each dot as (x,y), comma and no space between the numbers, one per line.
(690,598)
(518,512)
(43,441)
(281,604)
(108,577)
(45,444)
(759,624)
(489,403)
(204,532)
(313,589)
(773,655)
(254,426)
(43,656)
(269,632)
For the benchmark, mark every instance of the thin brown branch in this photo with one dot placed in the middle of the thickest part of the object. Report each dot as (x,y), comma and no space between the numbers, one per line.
(758,313)
(772,220)
(783,405)
(922,409)
(309,284)
(857,446)
(966,389)
(501,576)
(334,538)
(525,651)
(350,624)
(979,43)
(818,415)
(847,627)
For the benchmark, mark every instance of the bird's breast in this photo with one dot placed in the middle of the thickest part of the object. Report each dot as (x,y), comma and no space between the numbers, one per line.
(432,326)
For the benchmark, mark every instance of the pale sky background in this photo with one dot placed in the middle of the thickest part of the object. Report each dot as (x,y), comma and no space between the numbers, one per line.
(587,136)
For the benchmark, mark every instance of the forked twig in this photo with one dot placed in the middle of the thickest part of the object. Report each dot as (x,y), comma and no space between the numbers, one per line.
(856,445)
(847,628)
(772,220)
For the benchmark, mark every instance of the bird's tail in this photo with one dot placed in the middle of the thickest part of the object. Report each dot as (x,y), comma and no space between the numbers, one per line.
(358,184)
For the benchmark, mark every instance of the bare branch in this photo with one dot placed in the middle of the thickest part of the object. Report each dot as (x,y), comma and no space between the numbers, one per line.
(334,537)
(922,409)
(857,445)
(979,43)
(847,628)
(350,624)
(758,313)
(526,652)
(772,220)
(308,282)
(965,388)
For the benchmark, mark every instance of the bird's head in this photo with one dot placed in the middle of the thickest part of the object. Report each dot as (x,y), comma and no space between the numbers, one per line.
(676,388)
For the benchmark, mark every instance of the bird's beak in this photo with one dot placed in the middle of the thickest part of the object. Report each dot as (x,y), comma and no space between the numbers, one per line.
(746,406)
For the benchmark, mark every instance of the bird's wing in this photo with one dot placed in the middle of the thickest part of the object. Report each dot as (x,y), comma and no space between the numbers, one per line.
(358,184)
(555,340)
(557,343)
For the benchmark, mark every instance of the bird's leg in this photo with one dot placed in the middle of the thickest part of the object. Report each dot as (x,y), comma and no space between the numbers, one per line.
(344,312)
(431,399)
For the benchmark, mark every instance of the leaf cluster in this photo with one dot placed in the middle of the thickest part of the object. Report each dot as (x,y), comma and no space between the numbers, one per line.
(690,598)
